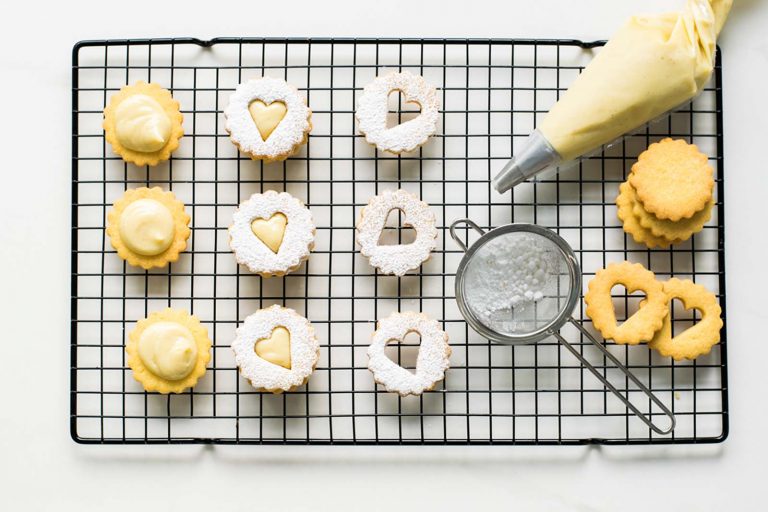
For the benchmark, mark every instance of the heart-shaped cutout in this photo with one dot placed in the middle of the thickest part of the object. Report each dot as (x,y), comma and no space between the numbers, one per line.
(271,231)
(395,231)
(267,117)
(405,353)
(400,110)
(277,348)
(626,303)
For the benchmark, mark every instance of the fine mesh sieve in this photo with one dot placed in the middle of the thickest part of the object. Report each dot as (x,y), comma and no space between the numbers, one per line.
(520,283)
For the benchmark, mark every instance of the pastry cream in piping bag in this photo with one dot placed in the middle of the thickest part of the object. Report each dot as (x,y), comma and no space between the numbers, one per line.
(652,65)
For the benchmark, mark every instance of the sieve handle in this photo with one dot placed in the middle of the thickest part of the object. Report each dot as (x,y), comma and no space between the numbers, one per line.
(623,370)
(455,236)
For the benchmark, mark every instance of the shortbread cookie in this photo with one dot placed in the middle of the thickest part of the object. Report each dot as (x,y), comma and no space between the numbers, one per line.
(674,231)
(396,259)
(645,322)
(168,351)
(698,339)
(276,349)
(143,123)
(431,363)
(272,233)
(625,202)
(267,119)
(673,180)
(148,227)
(372,110)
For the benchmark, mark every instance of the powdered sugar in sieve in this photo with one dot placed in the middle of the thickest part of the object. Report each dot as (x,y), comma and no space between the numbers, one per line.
(512,285)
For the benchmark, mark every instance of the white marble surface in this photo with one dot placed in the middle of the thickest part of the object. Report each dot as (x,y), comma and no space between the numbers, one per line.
(42,469)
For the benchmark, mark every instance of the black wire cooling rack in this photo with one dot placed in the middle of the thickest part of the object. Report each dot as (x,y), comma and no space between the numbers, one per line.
(492,92)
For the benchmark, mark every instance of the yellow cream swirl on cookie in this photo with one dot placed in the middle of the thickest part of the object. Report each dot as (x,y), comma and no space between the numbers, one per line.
(147,227)
(652,65)
(141,124)
(168,350)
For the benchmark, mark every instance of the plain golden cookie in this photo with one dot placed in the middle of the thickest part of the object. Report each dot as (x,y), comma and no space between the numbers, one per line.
(625,202)
(645,322)
(673,179)
(698,339)
(675,232)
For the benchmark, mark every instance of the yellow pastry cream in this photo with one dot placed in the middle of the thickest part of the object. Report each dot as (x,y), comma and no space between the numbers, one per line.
(168,351)
(143,123)
(148,227)
(653,64)
(271,231)
(277,348)
(267,117)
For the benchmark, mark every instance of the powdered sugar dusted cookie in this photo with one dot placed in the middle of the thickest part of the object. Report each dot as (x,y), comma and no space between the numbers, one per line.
(268,119)
(396,259)
(276,349)
(372,110)
(272,233)
(431,363)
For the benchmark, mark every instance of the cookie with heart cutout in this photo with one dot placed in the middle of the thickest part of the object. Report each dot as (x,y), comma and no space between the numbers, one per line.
(396,259)
(698,339)
(268,119)
(276,349)
(272,233)
(372,109)
(642,325)
(431,363)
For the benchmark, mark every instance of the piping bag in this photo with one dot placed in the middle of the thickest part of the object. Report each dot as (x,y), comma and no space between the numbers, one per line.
(651,66)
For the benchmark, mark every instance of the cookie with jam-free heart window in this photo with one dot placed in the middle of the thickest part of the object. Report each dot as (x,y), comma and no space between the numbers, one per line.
(372,112)
(268,119)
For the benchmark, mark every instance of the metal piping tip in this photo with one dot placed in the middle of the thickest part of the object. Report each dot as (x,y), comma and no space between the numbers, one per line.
(536,156)
(510,176)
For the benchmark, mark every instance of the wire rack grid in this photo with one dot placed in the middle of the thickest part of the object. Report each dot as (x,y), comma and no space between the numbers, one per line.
(492,93)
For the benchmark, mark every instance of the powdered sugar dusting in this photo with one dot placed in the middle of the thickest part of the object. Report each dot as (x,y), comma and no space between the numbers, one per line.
(396,259)
(264,375)
(508,276)
(372,110)
(297,241)
(431,363)
(290,133)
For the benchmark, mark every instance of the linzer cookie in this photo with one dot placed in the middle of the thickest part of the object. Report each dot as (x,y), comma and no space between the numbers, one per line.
(431,363)
(396,259)
(372,111)
(267,119)
(673,180)
(276,349)
(272,233)
(698,339)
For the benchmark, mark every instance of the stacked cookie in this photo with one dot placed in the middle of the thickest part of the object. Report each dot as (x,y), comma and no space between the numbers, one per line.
(668,196)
